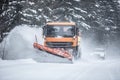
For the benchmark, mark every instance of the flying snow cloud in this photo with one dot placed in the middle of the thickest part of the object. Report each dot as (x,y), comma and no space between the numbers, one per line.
(19,42)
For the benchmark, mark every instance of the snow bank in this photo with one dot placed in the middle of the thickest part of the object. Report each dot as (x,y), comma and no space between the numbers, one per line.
(16,62)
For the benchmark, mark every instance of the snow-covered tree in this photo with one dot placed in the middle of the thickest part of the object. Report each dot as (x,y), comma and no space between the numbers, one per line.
(90,15)
(9,16)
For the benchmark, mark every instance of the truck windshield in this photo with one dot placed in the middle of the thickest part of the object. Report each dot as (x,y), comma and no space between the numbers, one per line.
(62,31)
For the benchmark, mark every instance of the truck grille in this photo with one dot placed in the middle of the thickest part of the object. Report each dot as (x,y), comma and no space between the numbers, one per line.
(59,44)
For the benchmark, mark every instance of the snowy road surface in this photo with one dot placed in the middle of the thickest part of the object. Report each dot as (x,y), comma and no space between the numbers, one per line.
(84,70)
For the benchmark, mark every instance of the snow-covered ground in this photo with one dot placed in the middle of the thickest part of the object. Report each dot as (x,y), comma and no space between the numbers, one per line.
(84,70)
(19,45)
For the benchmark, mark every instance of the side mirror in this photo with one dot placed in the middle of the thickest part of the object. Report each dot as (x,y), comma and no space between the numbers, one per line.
(77,31)
(44,30)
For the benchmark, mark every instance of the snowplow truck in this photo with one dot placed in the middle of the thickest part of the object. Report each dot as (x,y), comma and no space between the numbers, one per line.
(62,36)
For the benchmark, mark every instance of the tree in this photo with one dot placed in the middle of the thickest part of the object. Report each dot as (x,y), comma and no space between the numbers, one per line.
(9,16)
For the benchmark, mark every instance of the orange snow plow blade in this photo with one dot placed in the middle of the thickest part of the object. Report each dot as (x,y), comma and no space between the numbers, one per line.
(54,51)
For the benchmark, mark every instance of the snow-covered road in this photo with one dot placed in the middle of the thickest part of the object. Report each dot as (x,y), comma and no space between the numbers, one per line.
(84,70)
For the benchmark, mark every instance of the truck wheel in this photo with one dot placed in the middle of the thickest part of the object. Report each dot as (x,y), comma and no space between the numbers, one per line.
(76,53)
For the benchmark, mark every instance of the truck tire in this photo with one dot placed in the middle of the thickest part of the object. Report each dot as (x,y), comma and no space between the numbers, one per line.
(76,53)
